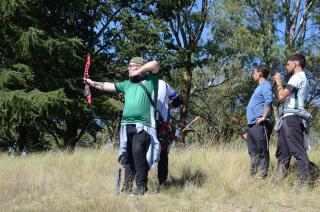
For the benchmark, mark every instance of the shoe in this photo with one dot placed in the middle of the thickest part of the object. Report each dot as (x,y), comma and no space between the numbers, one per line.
(127,188)
(304,183)
(157,189)
(262,176)
(139,191)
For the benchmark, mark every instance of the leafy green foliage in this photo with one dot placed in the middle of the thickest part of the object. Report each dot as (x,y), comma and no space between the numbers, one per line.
(44,45)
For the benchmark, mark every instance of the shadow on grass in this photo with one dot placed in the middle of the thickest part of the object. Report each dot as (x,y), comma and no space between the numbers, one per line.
(195,177)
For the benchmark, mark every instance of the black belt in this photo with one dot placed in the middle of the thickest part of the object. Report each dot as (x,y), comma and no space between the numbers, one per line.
(251,125)
(261,124)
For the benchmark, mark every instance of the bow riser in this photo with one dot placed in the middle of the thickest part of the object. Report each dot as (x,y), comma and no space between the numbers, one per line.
(87,92)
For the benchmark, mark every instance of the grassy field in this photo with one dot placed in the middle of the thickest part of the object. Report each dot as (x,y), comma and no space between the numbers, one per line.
(201,179)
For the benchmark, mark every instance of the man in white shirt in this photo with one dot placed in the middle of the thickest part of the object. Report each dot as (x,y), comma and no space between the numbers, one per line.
(290,139)
(167,99)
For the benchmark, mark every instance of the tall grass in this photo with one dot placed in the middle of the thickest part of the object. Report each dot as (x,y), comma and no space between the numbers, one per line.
(200,179)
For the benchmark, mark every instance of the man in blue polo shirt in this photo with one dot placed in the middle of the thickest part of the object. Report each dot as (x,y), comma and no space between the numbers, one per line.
(258,120)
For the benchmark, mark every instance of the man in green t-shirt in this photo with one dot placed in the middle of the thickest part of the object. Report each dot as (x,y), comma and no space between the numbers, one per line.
(139,147)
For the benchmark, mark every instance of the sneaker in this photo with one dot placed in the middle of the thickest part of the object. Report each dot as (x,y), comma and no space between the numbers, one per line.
(157,189)
(139,192)
(304,183)
(127,188)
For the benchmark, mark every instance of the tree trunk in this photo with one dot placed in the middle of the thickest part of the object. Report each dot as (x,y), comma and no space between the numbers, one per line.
(70,139)
(21,141)
(186,96)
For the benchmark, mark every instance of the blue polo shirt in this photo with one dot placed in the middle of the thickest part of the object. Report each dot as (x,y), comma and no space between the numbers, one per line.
(261,97)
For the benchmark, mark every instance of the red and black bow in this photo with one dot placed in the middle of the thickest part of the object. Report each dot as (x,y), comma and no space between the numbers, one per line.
(87,92)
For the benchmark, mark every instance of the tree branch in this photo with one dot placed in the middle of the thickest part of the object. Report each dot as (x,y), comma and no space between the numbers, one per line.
(101,31)
(288,22)
(204,14)
(295,17)
(183,33)
(175,33)
(302,25)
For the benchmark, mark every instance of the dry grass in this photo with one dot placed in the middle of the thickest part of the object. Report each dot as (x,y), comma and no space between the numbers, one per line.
(201,179)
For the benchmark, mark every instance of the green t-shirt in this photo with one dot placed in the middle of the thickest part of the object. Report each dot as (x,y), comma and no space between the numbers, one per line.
(137,106)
